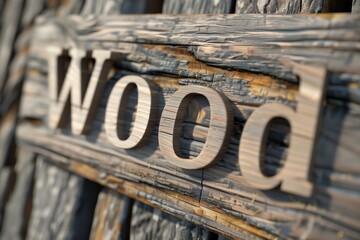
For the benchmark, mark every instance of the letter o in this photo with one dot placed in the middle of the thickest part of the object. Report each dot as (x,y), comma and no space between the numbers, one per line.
(145,114)
(219,131)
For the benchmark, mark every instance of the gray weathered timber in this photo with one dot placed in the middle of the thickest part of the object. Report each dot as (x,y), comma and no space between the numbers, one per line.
(16,20)
(291,6)
(11,19)
(7,135)
(6,184)
(63,204)
(182,206)
(18,207)
(112,216)
(198,6)
(149,223)
(355,7)
(250,59)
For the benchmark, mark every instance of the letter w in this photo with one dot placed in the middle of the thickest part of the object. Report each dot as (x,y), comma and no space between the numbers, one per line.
(68,90)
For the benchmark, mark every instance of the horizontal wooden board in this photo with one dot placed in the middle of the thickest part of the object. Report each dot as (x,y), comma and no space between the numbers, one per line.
(250,59)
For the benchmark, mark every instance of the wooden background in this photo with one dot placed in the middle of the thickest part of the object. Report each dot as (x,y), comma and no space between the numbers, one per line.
(53,185)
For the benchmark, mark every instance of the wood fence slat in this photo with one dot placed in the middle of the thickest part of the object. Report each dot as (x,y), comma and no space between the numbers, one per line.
(355,7)
(292,6)
(18,208)
(150,223)
(63,204)
(7,178)
(112,216)
(198,6)
(182,206)
(11,19)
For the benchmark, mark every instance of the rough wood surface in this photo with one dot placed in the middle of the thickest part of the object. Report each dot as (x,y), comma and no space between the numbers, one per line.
(172,119)
(18,208)
(144,119)
(250,59)
(149,223)
(182,206)
(11,19)
(63,204)
(16,19)
(304,122)
(6,185)
(112,216)
(292,6)
(198,6)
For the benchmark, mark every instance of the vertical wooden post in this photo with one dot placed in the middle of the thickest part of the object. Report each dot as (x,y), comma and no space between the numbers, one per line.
(63,204)
(18,209)
(355,7)
(112,217)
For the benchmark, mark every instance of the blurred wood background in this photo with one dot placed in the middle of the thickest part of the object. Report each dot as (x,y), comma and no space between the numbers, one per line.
(44,196)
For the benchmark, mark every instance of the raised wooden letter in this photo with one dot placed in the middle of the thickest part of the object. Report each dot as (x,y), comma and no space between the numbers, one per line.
(304,124)
(115,110)
(83,101)
(218,135)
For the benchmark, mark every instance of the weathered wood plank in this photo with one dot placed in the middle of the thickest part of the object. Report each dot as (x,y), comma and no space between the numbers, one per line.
(292,6)
(150,223)
(7,138)
(18,208)
(250,69)
(198,6)
(182,206)
(11,19)
(355,6)
(7,177)
(63,204)
(112,216)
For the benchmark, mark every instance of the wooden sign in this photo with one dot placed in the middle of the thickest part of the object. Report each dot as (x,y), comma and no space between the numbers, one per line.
(304,122)
(247,125)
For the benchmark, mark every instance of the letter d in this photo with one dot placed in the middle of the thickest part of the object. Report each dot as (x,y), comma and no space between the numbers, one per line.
(294,177)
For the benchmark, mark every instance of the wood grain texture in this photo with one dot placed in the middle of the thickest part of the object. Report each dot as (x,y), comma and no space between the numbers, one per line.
(7,138)
(198,6)
(15,30)
(112,216)
(252,63)
(291,7)
(294,175)
(18,207)
(7,177)
(182,206)
(78,85)
(63,204)
(11,19)
(150,223)
(172,119)
(116,110)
